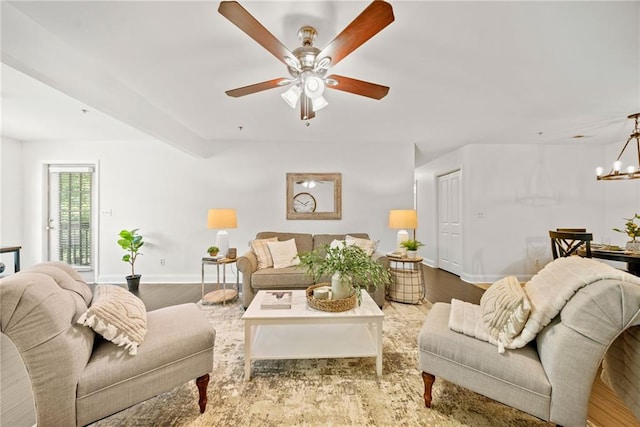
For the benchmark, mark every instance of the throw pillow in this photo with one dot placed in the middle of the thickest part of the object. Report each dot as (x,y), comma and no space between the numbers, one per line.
(368,246)
(260,248)
(284,254)
(336,243)
(505,309)
(117,315)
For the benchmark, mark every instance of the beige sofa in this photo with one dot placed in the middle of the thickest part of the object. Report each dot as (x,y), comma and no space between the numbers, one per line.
(77,377)
(254,279)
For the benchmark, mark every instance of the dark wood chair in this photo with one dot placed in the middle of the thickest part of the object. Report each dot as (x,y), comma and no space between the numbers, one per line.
(567,243)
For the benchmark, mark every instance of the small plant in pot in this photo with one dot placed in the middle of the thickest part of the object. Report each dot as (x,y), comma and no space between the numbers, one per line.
(213,250)
(633,231)
(412,247)
(349,266)
(131,242)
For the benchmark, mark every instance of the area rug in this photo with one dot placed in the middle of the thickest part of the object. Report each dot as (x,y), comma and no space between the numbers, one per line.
(322,392)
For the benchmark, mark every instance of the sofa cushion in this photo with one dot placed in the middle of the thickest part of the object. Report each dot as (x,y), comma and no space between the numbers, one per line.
(304,241)
(117,315)
(284,254)
(274,278)
(263,254)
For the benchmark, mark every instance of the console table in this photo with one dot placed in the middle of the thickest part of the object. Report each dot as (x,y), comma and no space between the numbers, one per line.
(16,255)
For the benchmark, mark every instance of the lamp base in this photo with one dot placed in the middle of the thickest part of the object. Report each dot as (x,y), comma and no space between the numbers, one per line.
(222,242)
(403,236)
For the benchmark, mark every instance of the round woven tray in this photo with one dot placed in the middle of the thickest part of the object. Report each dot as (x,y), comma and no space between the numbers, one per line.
(334,305)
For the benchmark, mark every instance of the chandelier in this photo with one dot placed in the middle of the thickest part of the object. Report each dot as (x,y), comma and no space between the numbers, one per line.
(631,171)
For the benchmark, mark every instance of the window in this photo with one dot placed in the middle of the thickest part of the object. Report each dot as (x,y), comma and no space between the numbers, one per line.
(71,215)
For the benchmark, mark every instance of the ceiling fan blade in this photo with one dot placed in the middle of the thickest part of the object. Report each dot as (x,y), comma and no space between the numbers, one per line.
(359,87)
(257,87)
(238,15)
(370,22)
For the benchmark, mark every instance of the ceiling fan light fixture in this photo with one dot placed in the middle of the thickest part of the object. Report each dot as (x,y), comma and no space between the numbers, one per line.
(292,95)
(293,63)
(313,87)
(319,103)
(323,64)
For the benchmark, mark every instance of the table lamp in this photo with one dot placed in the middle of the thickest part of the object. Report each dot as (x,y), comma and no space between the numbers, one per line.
(222,219)
(403,219)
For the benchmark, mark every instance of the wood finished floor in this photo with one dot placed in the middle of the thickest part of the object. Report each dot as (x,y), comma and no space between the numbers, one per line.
(605,408)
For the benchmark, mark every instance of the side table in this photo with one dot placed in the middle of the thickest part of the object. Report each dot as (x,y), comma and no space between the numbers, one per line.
(16,255)
(407,280)
(219,295)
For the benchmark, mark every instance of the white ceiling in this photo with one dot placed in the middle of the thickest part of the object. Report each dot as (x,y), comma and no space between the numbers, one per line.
(459,73)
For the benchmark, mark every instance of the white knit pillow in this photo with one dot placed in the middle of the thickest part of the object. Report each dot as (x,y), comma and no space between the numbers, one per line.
(505,309)
(117,315)
(284,254)
(368,246)
(260,248)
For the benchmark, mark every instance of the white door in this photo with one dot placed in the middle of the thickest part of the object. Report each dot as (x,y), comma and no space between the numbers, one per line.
(449,222)
(72,236)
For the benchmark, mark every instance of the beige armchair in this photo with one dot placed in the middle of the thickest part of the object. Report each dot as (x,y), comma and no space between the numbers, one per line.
(78,377)
(551,377)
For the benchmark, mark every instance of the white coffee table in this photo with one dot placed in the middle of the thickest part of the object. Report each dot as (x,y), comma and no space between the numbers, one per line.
(302,332)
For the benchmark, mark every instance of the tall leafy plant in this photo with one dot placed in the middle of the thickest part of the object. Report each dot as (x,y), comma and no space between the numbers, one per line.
(131,242)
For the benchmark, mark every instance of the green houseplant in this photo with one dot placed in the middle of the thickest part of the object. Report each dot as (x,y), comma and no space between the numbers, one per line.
(412,246)
(131,242)
(632,230)
(349,266)
(213,250)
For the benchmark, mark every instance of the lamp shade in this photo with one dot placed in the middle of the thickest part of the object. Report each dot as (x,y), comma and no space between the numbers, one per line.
(222,218)
(403,218)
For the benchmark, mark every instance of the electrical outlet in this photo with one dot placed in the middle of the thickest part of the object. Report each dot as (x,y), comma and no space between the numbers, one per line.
(162,261)
(537,263)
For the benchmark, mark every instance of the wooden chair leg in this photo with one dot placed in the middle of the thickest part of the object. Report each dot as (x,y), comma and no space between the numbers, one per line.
(428,385)
(202,383)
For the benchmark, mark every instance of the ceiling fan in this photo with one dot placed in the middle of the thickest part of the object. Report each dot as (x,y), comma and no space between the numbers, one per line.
(308,65)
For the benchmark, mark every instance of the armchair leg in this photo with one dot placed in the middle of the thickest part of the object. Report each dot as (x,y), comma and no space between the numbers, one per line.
(202,383)
(428,384)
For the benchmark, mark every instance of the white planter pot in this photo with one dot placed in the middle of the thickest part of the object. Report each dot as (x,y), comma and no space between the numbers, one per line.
(340,287)
(412,254)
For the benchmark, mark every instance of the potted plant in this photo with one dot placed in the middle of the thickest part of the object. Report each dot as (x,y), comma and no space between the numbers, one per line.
(632,230)
(349,266)
(213,250)
(131,242)
(412,247)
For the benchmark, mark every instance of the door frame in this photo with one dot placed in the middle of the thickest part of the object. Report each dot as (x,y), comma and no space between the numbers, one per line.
(89,275)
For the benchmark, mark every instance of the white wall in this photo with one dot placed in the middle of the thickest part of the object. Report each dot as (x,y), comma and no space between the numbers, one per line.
(10,197)
(166,193)
(514,194)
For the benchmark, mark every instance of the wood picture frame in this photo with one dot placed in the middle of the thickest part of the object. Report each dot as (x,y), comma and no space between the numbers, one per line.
(326,189)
